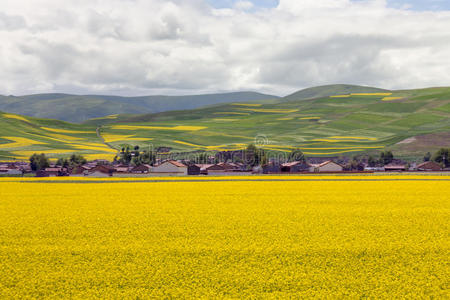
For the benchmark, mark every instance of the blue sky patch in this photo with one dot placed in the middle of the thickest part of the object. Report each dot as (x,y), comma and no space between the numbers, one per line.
(420,5)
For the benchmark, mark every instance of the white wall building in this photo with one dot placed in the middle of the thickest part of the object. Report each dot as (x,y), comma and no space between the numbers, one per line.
(170,167)
(328,166)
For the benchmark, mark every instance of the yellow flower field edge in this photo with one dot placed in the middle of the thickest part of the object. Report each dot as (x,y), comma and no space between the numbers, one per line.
(318,177)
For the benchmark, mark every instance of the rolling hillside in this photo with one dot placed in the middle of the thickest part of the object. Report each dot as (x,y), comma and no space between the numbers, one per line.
(22,136)
(410,122)
(341,124)
(330,90)
(74,108)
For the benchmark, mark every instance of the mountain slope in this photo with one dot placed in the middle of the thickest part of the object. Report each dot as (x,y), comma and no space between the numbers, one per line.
(330,90)
(410,122)
(327,126)
(22,136)
(74,108)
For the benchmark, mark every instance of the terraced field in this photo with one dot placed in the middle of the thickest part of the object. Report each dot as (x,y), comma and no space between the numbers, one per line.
(340,124)
(21,136)
(334,125)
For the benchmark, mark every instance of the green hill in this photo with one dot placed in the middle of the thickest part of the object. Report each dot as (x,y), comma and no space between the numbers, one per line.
(410,122)
(340,124)
(330,90)
(74,108)
(22,136)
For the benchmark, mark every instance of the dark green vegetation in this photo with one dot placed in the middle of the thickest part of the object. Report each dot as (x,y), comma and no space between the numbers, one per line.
(360,120)
(74,108)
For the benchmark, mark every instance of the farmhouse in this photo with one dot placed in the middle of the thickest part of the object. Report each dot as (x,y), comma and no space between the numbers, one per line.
(56,171)
(10,170)
(271,168)
(295,167)
(230,166)
(141,169)
(328,166)
(207,169)
(101,171)
(123,169)
(78,170)
(429,166)
(395,168)
(170,167)
(193,170)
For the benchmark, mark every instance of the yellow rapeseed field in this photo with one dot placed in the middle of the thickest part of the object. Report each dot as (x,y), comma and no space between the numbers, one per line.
(18,142)
(110,138)
(267,110)
(65,130)
(341,96)
(11,116)
(310,118)
(371,94)
(232,113)
(392,98)
(228,237)
(175,128)
(247,104)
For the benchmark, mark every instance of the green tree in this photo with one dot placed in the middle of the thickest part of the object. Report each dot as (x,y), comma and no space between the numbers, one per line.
(62,162)
(264,159)
(252,155)
(77,160)
(39,162)
(147,157)
(442,157)
(371,161)
(202,158)
(125,155)
(386,157)
(427,157)
(135,161)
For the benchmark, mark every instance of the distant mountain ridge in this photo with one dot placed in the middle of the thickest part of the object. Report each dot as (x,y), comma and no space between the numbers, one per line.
(79,108)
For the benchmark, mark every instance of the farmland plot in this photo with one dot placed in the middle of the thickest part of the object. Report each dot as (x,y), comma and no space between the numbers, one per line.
(326,236)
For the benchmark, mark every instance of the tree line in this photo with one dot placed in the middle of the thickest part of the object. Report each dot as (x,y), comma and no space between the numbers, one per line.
(252,156)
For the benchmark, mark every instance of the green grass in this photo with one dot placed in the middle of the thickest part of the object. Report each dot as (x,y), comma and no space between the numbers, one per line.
(61,144)
(382,123)
(444,108)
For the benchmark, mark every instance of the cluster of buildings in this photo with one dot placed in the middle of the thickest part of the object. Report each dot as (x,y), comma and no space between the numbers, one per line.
(331,166)
(102,168)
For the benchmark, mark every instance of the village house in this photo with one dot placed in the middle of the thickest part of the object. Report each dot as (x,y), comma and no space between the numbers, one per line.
(170,167)
(326,167)
(230,167)
(271,168)
(395,167)
(193,169)
(122,169)
(295,167)
(56,171)
(211,169)
(429,166)
(6,169)
(141,169)
(81,170)
(101,171)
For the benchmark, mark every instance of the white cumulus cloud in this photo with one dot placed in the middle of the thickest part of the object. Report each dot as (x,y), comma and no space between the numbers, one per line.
(136,47)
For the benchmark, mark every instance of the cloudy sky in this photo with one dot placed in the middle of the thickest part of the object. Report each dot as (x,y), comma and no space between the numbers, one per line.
(137,47)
